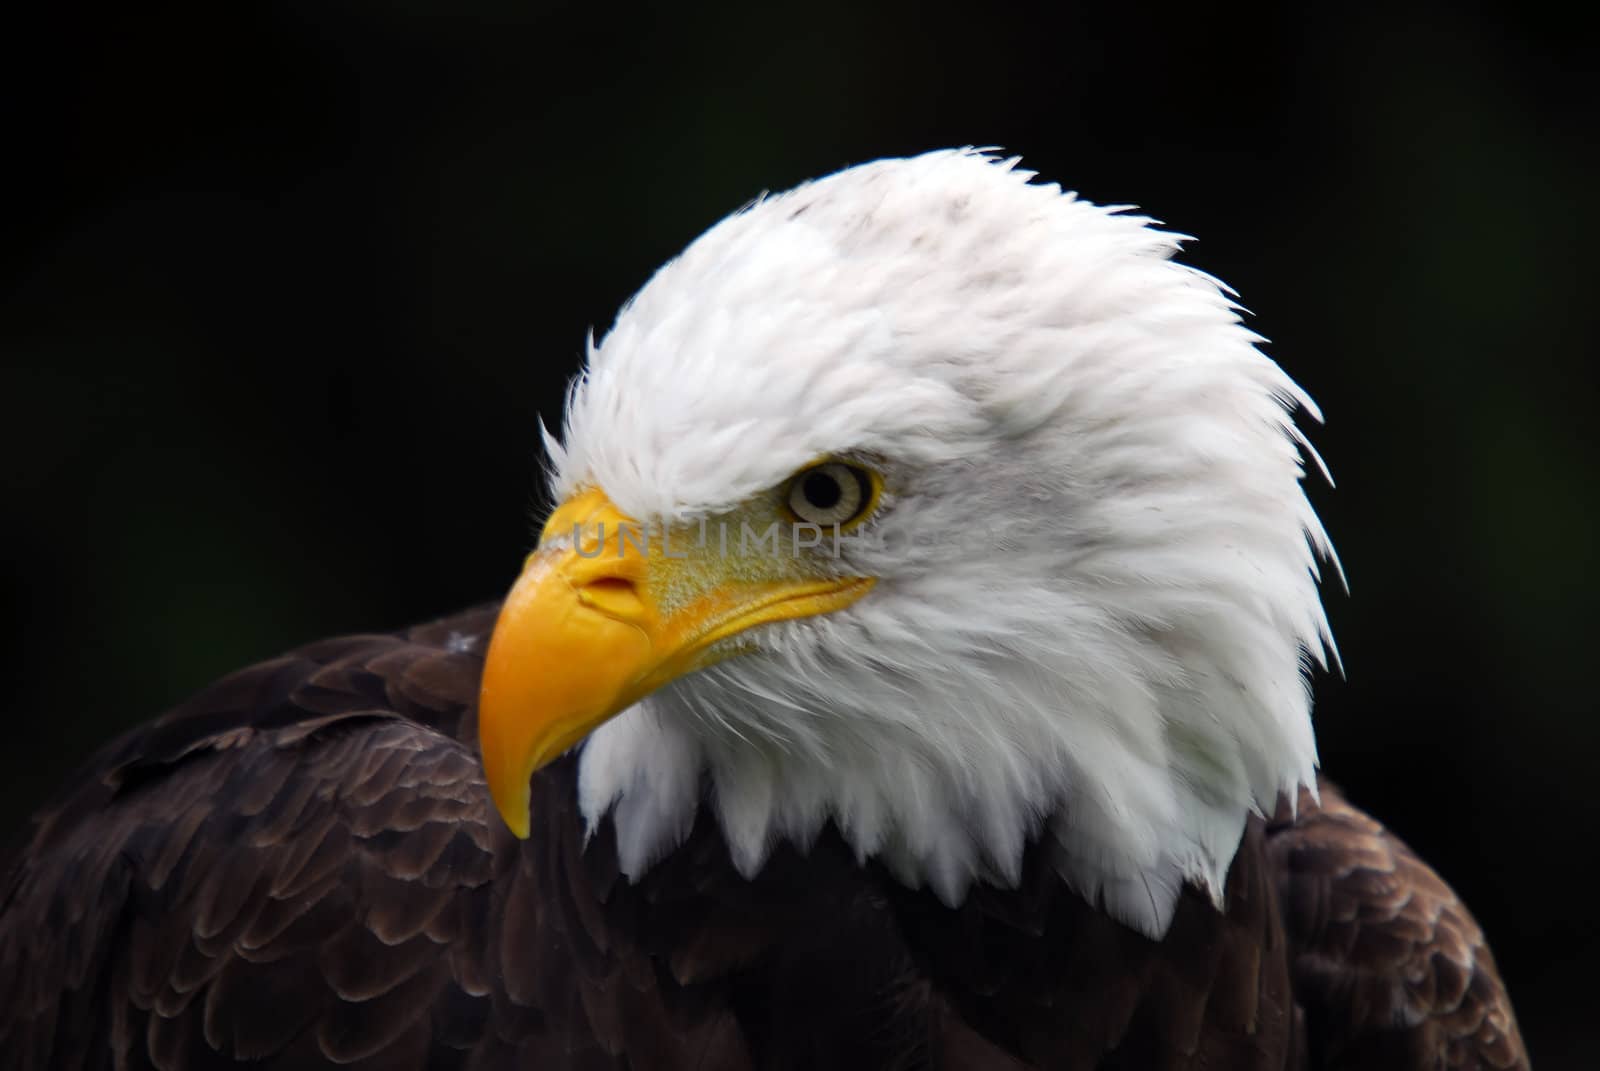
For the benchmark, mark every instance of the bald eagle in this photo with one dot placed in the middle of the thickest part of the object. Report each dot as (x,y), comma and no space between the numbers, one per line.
(912,675)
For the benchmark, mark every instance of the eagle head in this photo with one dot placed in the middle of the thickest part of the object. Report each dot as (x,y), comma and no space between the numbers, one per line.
(939,504)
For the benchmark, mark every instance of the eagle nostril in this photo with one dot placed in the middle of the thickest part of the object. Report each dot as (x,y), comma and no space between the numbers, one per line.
(612,595)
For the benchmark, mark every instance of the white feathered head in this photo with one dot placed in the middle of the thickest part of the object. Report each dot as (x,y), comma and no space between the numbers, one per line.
(947,507)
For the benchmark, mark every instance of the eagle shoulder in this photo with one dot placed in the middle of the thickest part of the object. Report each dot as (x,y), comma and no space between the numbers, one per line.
(1390,967)
(282,867)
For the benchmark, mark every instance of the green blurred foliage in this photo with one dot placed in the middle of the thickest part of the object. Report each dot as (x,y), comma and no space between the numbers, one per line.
(286,287)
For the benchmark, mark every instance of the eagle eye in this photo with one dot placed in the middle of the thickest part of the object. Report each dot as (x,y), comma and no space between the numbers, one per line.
(832,493)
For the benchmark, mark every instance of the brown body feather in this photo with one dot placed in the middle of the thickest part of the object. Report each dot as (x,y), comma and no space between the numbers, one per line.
(301,866)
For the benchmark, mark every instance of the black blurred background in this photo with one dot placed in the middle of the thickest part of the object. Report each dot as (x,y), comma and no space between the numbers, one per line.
(286,286)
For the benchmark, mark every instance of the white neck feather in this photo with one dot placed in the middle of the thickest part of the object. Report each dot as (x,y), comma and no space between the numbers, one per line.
(1132,724)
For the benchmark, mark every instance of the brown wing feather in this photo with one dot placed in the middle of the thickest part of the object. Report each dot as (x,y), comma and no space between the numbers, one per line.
(281,868)
(1391,969)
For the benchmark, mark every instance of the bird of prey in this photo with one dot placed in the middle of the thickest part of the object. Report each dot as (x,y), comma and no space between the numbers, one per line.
(913,674)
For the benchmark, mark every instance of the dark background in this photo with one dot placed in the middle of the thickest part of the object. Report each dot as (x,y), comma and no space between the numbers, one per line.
(286,286)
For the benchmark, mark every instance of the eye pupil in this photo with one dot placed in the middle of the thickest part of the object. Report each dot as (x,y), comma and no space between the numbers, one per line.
(822,490)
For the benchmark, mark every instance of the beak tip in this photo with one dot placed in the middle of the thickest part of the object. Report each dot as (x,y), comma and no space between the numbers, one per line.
(517,817)
(512,801)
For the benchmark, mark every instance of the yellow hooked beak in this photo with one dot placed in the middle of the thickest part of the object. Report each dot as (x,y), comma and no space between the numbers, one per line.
(602,616)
